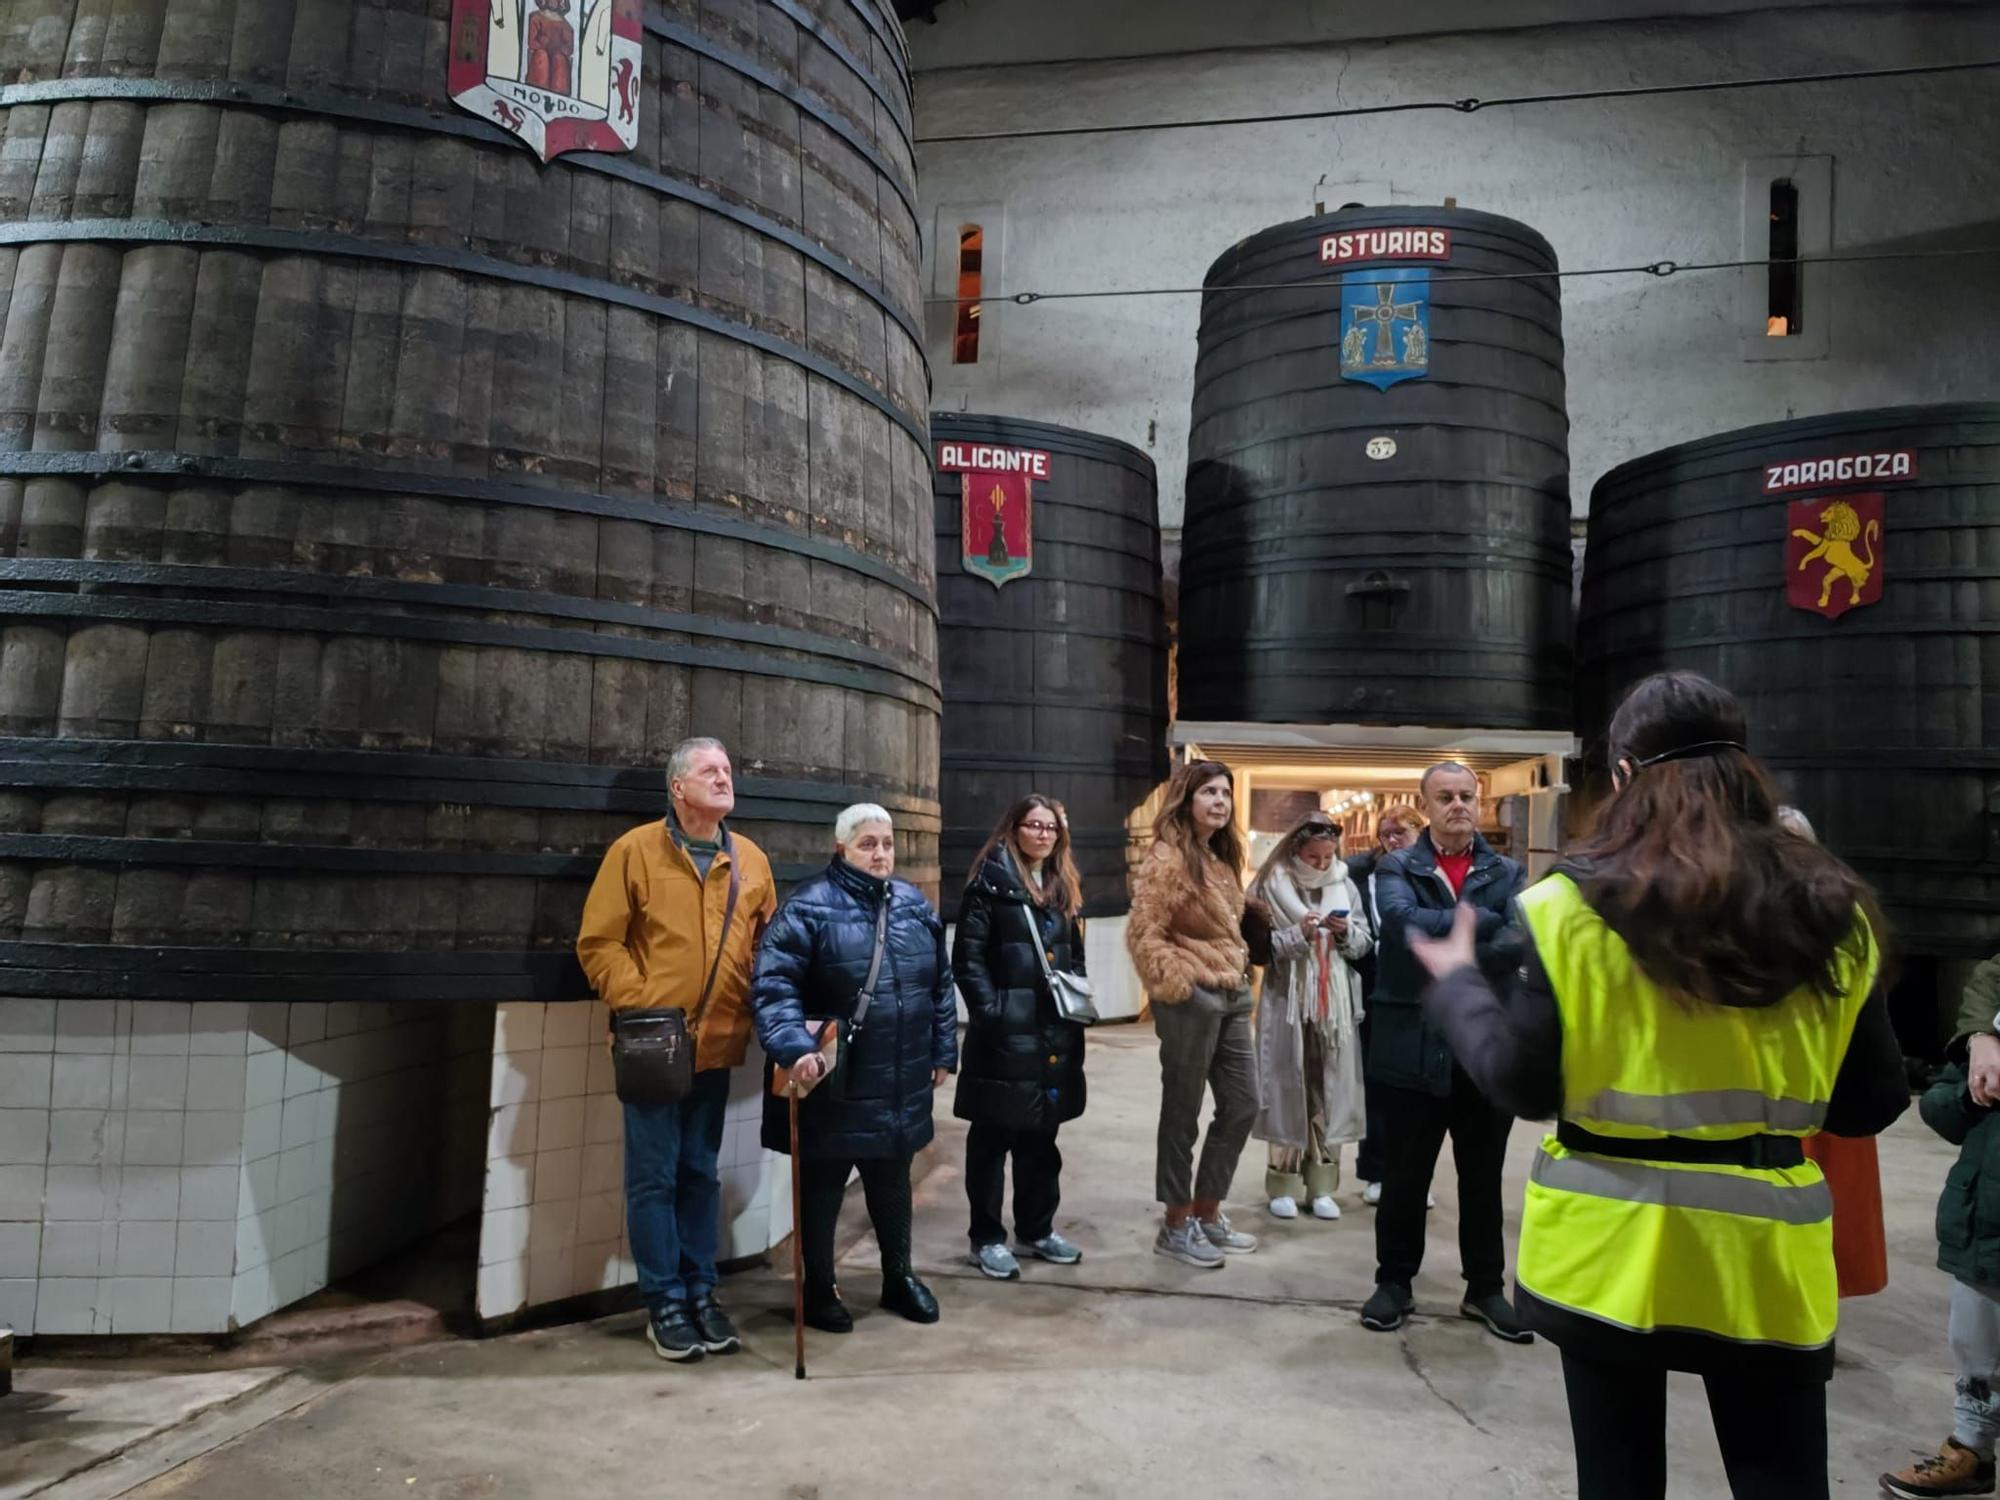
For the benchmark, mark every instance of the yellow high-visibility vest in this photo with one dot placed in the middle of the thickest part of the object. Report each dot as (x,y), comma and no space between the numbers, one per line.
(1736,1252)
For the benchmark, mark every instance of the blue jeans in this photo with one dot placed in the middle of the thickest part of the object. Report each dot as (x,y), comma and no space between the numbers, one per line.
(673,1197)
(1975,1346)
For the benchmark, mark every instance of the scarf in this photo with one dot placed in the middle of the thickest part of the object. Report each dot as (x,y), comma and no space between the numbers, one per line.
(1284,892)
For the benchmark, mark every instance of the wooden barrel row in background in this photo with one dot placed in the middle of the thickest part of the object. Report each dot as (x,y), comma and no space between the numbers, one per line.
(1055,682)
(379,507)
(1883,722)
(1356,555)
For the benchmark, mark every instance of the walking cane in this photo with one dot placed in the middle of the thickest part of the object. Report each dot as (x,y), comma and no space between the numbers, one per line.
(798,1248)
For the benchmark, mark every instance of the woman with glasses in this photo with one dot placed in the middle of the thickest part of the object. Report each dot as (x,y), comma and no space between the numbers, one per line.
(1304,922)
(1021,1076)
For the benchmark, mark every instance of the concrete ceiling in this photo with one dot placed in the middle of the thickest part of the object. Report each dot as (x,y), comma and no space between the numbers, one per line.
(986,33)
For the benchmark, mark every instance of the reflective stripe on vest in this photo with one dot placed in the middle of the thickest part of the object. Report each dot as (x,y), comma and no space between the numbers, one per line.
(1740,1253)
(1682,1113)
(1649,1182)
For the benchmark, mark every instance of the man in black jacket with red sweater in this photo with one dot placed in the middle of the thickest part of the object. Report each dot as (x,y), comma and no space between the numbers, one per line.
(1423,1093)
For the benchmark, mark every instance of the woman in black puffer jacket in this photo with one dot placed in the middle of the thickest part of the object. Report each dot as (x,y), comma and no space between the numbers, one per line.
(1023,1070)
(875,1112)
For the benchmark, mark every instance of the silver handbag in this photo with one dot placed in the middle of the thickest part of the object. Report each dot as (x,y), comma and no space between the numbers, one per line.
(1075,999)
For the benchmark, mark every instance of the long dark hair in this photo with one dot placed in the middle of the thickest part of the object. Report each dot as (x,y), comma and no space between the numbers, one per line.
(1175,824)
(1688,863)
(1062,887)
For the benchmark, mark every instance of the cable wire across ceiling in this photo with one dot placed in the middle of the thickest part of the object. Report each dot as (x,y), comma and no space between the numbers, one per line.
(1468,106)
(1658,269)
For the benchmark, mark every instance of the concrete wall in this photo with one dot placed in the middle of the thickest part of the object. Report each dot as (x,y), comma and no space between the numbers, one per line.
(1651,362)
(188,1168)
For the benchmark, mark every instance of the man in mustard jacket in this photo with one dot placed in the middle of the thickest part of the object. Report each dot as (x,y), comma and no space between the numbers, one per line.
(653,930)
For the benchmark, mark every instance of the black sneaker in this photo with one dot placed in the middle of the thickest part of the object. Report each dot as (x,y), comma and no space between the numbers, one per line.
(673,1334)
(718,1334)
(1389,1309)
(1495,1312)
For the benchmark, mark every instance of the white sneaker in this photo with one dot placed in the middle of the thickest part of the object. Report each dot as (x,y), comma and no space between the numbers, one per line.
(1324,1207)
(1186,1243)
(1284,1208)
(1220,1235)
(1371,1194)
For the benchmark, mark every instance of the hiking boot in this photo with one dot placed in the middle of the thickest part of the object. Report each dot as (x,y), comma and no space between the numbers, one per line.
(673,1334)
(1389,1309)
(1498,1315)
(1324,1207)
(1956,1470)
(718,1334)
(996,1261)
(825,1311)
(1054,1249)
(1230,1241)
(1186,1243)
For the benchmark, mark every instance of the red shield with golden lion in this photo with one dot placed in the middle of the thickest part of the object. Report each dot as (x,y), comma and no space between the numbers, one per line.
(1833,553)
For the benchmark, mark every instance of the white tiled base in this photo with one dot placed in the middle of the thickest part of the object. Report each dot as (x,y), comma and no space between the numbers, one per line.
(553,1222)
(174,1167)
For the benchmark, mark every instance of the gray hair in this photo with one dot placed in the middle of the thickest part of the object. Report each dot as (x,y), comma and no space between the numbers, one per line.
(682,759)
(1424,784)
(855,816)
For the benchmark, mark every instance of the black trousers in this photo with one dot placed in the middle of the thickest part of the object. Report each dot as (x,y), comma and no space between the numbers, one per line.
(1414,1125)
(1037,1182)
(1772,1434)
(1369,1157)
(885,1182)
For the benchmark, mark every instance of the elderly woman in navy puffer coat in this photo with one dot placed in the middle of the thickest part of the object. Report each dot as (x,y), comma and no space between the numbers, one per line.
(874,1112)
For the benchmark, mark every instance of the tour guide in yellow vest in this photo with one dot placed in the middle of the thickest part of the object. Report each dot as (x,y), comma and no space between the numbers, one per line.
(1699,992)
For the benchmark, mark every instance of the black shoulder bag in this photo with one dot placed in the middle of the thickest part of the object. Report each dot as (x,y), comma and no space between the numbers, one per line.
(652,1051)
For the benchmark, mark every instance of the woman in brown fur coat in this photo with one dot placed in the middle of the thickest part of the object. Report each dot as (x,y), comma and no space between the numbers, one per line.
(1186,943)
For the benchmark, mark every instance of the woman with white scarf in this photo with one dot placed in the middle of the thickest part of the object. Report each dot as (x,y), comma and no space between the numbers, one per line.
(1309,1016)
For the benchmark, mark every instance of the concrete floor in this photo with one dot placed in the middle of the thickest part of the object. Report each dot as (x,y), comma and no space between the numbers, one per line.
(1127,1375)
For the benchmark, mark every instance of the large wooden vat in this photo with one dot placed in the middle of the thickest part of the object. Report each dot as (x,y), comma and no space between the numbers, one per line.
(379,506)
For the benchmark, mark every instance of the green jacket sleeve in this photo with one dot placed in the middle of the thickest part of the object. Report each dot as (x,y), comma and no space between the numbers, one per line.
(1981,1001)
(1948,1108)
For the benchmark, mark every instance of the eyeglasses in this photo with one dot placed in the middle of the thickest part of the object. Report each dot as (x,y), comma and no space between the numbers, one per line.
(1039,827)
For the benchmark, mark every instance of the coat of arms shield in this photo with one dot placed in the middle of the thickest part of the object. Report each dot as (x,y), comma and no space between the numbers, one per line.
(1385,326)
(563,75)
(1833,553)
(996,526)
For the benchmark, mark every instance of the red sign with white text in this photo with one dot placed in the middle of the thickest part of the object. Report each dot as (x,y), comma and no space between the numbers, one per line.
(985,458)
(1385,244)
(1844,468)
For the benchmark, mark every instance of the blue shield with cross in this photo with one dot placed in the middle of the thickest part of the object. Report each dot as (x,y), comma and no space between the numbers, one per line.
(1385,326)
